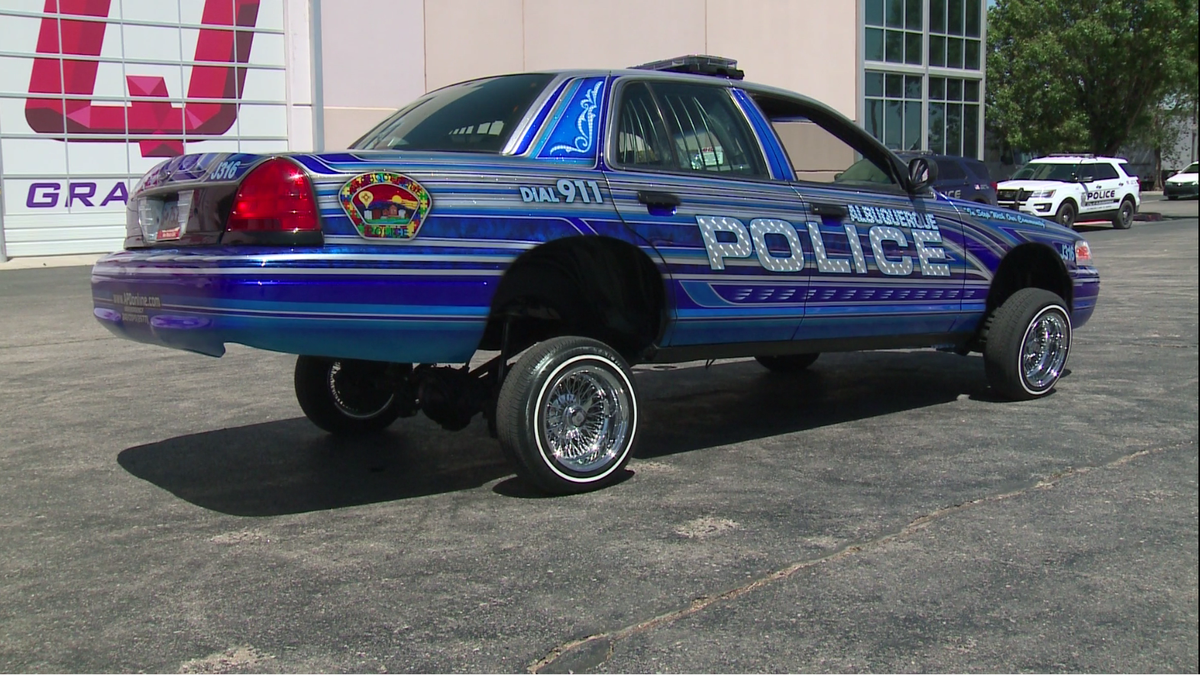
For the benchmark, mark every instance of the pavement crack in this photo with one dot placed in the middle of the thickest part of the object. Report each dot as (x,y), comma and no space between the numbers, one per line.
(592,651)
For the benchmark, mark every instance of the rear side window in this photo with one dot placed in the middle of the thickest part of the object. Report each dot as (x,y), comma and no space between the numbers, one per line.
(1105,171)
(950,169)
(979,170)
(692,128)
(642,141)
(477,116)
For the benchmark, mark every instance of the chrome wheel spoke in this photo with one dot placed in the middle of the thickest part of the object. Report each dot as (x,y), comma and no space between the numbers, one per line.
(1044,351)
(585,418)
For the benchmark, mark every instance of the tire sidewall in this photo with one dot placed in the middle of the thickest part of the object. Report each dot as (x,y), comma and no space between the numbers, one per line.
(1066,316)
(551,370)
(314,392)
(1121,221)
(1067,206)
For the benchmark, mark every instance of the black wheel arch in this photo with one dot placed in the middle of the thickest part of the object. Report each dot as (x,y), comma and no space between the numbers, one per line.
(1030,265)
(592,286)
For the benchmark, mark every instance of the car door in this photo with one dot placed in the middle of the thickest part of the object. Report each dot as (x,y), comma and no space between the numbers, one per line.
(886,263)
(688,175)
(1103,192)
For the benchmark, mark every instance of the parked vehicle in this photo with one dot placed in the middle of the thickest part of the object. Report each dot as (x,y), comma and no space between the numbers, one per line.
(1186,183)
(961,178)
(1074,187)
(575,223)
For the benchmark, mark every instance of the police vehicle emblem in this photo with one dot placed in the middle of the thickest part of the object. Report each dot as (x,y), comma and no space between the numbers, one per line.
(385,205)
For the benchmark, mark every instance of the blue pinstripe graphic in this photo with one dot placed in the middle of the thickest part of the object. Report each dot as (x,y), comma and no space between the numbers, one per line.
(428,299)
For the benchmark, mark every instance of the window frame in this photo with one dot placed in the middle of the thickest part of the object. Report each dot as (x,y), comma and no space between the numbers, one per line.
(612,130)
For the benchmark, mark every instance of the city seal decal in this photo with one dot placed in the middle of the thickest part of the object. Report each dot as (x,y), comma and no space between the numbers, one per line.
(384,205)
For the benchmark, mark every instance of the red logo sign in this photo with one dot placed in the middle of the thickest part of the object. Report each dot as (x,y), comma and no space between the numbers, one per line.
(214,90)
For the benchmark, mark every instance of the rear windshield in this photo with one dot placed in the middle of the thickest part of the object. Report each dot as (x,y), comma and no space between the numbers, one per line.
(476,116)
(980,170)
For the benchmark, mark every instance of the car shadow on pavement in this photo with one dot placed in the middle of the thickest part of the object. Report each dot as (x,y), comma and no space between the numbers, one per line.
(289,466)
(837,388)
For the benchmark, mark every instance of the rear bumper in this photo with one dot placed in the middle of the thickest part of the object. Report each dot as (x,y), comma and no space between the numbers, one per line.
(376,307)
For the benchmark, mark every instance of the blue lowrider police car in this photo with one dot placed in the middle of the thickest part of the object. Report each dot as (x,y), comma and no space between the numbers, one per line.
(576,223)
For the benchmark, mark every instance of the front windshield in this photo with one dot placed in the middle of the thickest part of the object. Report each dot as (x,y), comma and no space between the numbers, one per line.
(1024,173)
(1194,167)
(476,116)
(1065,173)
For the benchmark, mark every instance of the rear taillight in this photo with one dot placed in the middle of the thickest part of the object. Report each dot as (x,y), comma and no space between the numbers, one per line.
(1083,253)
(275,197)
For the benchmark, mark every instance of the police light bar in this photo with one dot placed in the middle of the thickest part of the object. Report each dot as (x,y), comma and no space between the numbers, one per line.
(697,64)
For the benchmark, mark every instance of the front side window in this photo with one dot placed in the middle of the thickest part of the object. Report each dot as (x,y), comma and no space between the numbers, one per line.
(825,149)
(477,116)
(692,128)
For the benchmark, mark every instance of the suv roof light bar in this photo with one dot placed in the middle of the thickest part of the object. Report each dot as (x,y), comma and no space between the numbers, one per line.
(1072,154)
(697,64)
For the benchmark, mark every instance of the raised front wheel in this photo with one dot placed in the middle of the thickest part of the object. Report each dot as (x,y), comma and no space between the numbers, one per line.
(1028,340)
(568,414)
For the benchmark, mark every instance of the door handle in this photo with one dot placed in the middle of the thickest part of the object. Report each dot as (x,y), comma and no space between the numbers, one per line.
(661,199)
(824,209)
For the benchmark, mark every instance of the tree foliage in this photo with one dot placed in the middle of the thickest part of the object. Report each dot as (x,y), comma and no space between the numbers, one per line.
(1069,75)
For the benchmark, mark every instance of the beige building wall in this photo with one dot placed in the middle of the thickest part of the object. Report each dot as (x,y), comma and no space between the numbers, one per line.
(378,55)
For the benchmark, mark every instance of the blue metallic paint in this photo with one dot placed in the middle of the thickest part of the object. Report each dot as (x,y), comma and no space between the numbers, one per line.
(427,300)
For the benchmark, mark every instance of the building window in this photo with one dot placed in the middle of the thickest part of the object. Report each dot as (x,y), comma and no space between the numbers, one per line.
(954,109)
(894,31)
(955,29)
(893,113)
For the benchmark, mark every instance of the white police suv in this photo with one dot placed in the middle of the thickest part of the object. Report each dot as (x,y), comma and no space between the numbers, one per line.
(1070,188)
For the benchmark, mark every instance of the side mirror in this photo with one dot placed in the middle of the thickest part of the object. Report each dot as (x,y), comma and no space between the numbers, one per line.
(1087,179)
(922,172)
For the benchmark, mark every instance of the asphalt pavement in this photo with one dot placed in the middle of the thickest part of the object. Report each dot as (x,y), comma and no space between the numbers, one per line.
(168,512)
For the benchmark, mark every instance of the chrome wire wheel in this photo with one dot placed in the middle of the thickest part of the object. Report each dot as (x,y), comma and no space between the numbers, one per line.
(585,417)
(1044,348)
(567,415)
(355,392)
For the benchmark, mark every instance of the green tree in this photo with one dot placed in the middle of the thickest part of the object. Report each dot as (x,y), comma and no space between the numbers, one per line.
(1069,75)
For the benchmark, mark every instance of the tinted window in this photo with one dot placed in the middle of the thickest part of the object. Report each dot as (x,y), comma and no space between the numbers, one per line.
(476,116)
(979,170)
(1059,172)
(950,169)
(1192,168)
(642,140)
(1105,171)
(707,131)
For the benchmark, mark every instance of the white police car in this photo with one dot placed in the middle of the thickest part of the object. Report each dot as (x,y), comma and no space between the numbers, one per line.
(1070,188)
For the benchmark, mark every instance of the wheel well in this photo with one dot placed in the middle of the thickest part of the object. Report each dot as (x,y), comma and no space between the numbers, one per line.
(596,287)
(1030,266)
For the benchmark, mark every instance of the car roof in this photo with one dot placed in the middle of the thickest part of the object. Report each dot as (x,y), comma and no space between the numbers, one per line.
(750,87)
(1076,158)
